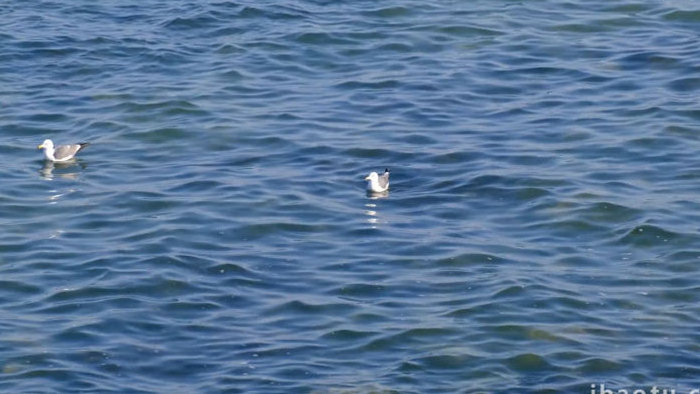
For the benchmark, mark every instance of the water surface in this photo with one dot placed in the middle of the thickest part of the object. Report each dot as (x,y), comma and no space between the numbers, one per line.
(540,234)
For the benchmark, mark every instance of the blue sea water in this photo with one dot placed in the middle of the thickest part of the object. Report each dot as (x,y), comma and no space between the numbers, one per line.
(541,233)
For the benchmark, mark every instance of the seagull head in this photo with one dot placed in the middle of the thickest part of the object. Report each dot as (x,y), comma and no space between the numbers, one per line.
(372,176)
(47,144)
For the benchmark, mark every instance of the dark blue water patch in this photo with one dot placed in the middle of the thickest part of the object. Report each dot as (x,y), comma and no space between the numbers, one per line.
(687,16)
(348,335)
(468,31)
(470,259)
(274,229)
(389,12)
(361,85)
(46,118)
(396,47)
(632,8)
(649,236)
(689,114)
(646,59)
(359,291)
(13,289)
(194,187)
(281,12)
(685,85)
(200,20)
(528,362)
(297,308)
(251,12)
(447,362)
(610,212)
(590,27)
(321,38)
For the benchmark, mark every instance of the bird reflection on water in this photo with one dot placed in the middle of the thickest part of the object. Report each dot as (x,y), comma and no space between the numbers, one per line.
(67,170)
(371,211)
(377,195)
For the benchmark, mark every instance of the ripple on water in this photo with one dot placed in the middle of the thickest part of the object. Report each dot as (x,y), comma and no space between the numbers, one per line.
(648,236)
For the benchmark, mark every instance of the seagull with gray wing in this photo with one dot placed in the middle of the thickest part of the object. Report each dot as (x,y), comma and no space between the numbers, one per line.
(378,183)
(62,152)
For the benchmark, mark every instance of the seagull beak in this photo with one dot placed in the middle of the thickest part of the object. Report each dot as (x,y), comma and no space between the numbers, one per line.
(366,178)
(40,146)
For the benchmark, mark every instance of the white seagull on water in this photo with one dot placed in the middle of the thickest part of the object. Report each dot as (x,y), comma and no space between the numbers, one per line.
(378,183)
(62,152)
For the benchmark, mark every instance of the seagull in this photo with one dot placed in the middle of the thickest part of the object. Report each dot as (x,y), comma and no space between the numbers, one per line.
(378,183)
(62,152)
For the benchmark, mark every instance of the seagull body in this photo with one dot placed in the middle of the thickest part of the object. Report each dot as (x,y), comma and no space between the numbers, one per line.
(378,183)
(62,152)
